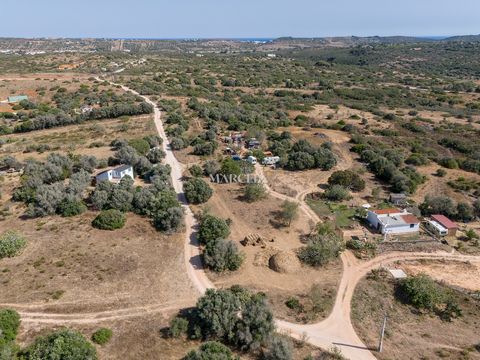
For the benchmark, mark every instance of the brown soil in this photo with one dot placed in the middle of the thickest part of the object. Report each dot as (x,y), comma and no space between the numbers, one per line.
(464,275)
(71,267)
(256,218)
(410,335)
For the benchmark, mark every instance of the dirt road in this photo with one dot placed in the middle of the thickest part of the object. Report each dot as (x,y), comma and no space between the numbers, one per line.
(193,261)
(336,330)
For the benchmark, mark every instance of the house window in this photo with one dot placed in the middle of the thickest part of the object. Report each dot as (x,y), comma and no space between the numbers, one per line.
(412,226)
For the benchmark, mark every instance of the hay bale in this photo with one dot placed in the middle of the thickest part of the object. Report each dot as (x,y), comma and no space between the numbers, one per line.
(262,257)
(285,262)
(254,240)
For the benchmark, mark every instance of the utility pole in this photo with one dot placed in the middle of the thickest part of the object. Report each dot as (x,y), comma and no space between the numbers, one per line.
(382,334)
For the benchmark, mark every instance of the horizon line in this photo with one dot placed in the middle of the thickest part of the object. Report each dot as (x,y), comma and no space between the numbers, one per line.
(234,37)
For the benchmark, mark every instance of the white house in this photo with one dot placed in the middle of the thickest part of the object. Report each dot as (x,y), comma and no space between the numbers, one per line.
(393,221)
(116,174)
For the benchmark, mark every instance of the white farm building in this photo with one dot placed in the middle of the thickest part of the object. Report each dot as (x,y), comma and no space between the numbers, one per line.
(116,174)
(393,221)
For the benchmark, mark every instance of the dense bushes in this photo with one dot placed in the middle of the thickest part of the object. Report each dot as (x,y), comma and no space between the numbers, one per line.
(178,327)
(219,254)
(102,336)
(11,243)
(254,192)
(304,156)
(197,191)
(61,344)
(61,118)
(386,165)
(222,255)
(234,316)
(424,293)
(279,348)
(43,186)
(347,179)
(336,193)
(212,228)
(9,324)
(109,220)
(446,206)
(158,201)
(323,246)
(211,350)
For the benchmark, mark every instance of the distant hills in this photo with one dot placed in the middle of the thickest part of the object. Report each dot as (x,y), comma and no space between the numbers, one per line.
(40,45)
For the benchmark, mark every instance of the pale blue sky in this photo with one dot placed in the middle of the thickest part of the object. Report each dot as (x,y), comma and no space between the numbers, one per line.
(239,18)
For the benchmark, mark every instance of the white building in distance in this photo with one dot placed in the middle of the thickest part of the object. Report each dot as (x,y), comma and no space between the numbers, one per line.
(393,221)
(115,175)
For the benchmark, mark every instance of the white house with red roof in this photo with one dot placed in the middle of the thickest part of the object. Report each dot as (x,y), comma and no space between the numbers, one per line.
(393,221)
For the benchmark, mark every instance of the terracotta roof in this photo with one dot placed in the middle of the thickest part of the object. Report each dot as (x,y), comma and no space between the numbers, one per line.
(387,211)
(444,221)
(410,219)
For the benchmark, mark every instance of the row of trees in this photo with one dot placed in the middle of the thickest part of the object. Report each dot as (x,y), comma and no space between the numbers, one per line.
(387,166)
(48,121)
(444,205)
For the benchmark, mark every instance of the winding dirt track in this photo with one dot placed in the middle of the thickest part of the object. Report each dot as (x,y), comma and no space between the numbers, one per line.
(336,330)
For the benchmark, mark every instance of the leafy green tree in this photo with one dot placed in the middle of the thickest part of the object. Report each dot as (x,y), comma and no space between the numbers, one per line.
(140,145)
(288,212)
(71,207)
(61,344)
(109,220)
(11,244)
(230,167)
(211,167)
(347,179)
(278,348)
(211,350)
(222,255)
(178,143)
(323,246)
(156,155)
(255,325)
(195,170)
(421,291)
(336,193)
(465,212)
(218,312)
(178,327)
(236,316)
(254,192)
(9,324)
(438,205)
(102,336)
(212,228)
(197,191)
(170,220)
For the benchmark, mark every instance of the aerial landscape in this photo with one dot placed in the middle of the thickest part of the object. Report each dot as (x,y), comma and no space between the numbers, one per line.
(240,188)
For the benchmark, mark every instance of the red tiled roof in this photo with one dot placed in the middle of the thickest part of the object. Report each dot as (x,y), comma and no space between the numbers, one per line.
(444,221)
(410,219)
(387,211)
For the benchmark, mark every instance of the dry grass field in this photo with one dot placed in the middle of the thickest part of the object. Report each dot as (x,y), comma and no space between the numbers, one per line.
(255,273)
(410,334)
